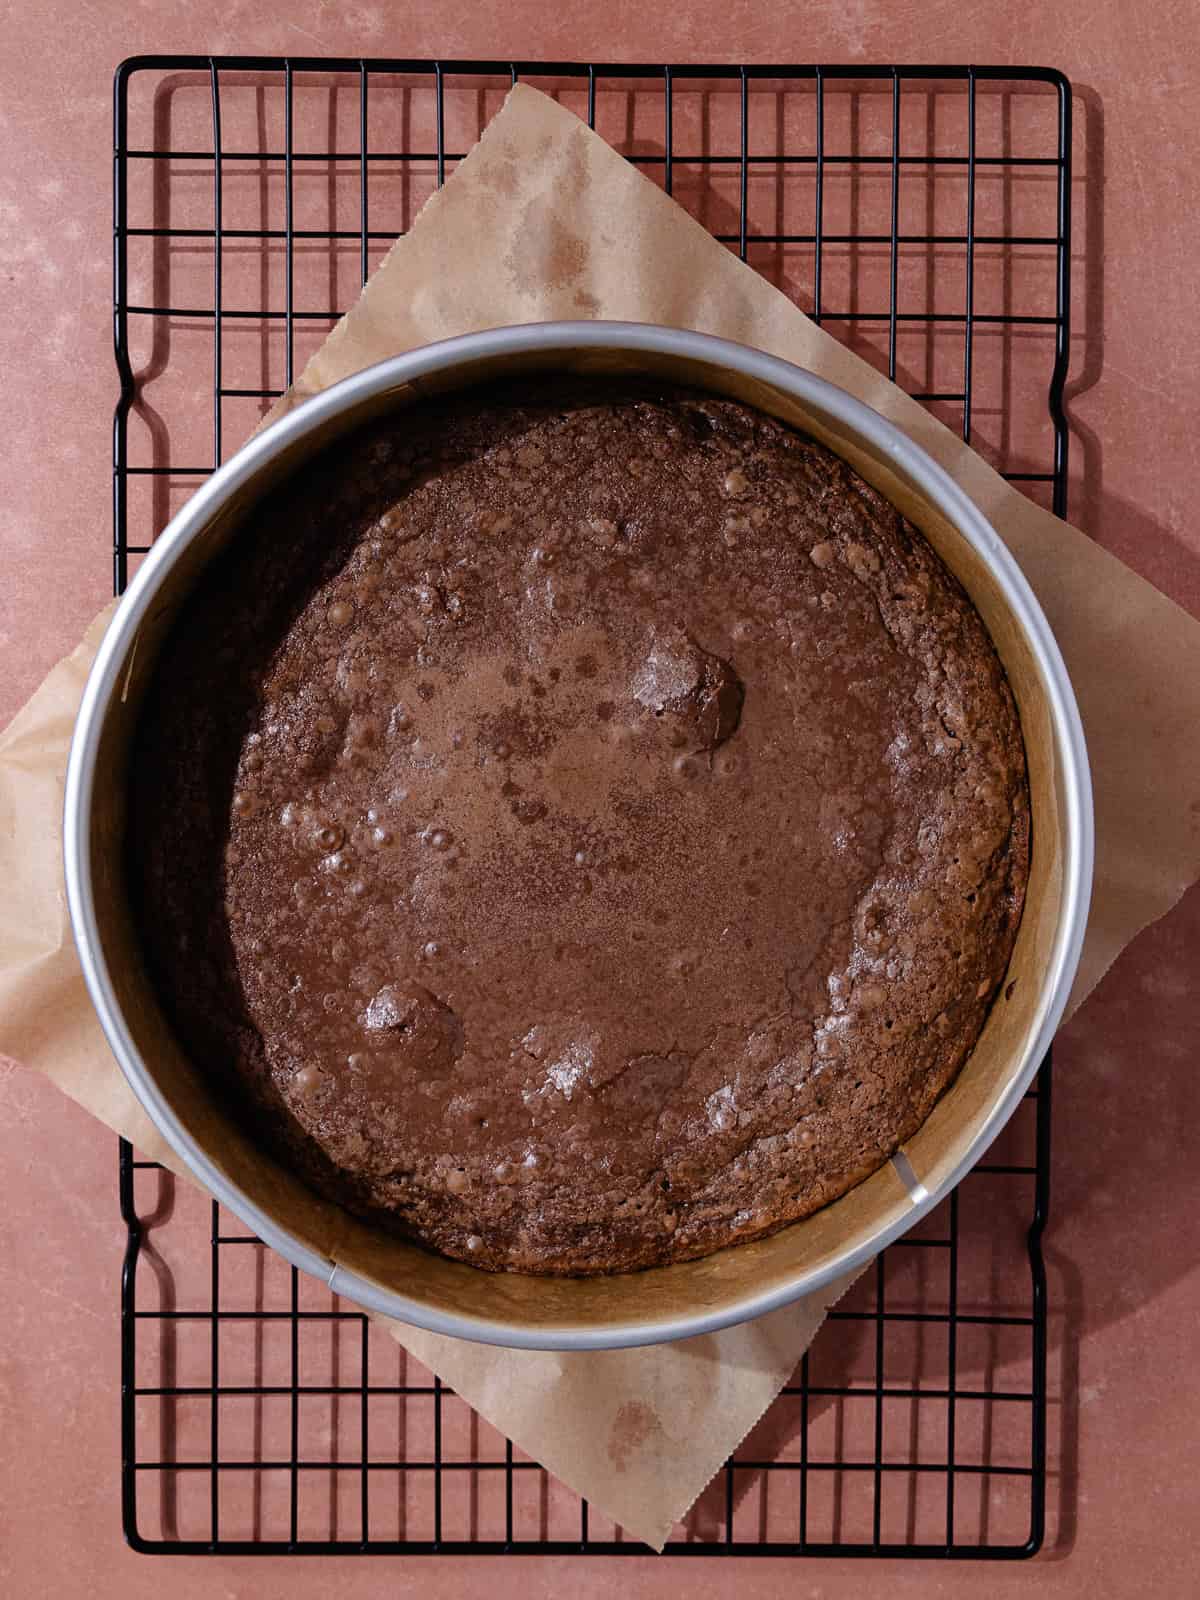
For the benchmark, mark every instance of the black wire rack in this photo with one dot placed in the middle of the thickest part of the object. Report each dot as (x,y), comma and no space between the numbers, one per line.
(252,197)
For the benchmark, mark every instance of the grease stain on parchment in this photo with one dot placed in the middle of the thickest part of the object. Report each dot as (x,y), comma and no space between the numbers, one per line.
(545,253)
(634,1423)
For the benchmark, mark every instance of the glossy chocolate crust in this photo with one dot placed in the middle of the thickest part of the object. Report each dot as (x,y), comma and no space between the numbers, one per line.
(581,826)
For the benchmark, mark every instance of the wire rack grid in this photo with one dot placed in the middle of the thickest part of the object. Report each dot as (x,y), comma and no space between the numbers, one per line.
(923,216)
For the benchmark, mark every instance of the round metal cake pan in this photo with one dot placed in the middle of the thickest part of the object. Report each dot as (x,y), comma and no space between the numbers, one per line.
(687,1298)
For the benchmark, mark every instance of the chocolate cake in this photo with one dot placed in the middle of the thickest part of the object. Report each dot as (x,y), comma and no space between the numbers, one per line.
(579,825)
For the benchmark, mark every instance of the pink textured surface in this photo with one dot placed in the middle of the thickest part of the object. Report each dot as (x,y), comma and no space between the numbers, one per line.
(1125,1288)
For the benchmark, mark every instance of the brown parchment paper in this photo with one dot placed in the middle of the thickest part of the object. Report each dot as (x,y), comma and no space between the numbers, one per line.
(542,221)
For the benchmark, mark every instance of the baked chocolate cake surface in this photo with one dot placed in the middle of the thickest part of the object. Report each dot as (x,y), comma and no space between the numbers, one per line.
(580,825)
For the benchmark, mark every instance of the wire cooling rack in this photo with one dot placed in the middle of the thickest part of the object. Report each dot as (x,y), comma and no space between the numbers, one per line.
(923,216)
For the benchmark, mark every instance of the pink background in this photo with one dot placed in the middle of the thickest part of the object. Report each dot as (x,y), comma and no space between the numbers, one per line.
(1125,1287)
